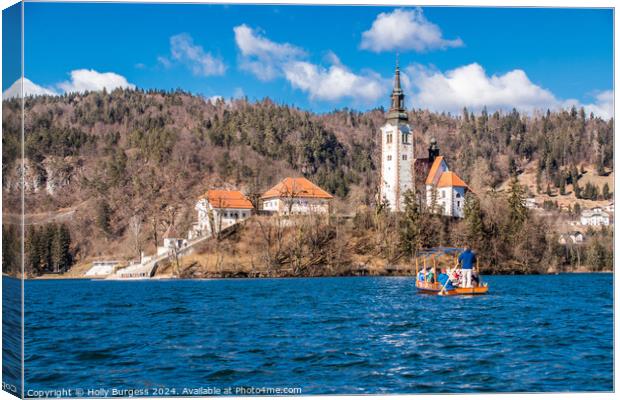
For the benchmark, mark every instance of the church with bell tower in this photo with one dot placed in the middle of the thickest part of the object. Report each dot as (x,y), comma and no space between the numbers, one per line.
(397,173)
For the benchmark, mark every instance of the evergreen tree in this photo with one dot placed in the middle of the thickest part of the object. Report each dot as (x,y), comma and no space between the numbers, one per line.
(61,253)
(516,205)
(538,181)
(33,248)
(103,216)
(49,233)
(606,193)
(410,227)
(577,190)
(596,256)
(473,221)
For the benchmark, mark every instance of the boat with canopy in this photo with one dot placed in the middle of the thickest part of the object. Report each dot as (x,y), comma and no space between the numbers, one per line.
(432,261)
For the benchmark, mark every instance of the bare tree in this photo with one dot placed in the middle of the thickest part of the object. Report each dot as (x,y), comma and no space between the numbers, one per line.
(135,229)
(291,195)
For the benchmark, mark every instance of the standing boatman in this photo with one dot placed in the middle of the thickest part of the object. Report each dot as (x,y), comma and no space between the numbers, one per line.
(467,259)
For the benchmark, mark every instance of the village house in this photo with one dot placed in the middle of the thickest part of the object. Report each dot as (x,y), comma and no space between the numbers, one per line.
(594,217)
(296,196)
(445,190)
(172,242)
(531,203)
(219,209)
(574,237)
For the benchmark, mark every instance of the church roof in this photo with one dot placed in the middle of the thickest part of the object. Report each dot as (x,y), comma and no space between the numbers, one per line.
(228,199)
(296,187)
(171,233)
(450,179)
(434,169)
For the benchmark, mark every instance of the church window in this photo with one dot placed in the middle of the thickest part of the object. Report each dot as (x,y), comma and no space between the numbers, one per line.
(389,138)
(389,158)
(404,156)
(405,138)
(458,195)
(458,204)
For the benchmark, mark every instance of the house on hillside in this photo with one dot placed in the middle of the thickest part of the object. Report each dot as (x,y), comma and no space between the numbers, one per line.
(219,209)
(296,196)
(531,203)
(574,237)
(445,190)
(172,241)
(594,217)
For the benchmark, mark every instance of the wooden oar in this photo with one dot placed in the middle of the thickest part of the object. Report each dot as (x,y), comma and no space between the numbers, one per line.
(443,289)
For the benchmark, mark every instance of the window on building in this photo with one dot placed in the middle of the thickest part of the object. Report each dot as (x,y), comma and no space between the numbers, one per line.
(458,195)
(389,138)
(404,156)
(458,204)
(443,194)
(389,158)
(405,138)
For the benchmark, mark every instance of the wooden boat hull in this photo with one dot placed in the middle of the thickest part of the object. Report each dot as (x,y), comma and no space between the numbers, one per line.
(434,289)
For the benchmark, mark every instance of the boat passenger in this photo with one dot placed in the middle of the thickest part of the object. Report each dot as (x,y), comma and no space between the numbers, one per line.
(430,276)
(475,277)
(467,259)
(444,280)
(421,275)
(455,277)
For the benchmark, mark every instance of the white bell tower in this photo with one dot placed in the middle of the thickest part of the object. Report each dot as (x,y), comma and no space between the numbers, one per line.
(396,151)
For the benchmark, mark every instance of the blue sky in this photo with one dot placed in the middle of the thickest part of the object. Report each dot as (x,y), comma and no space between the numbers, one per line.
(326,57)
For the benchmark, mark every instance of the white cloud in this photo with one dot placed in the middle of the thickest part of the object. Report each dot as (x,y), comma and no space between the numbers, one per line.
(602,107)
(470,86)
(214,99)
(90,80)
(201,63)
(261,56)
(30,89)
(164,62)
(335,82)
(405,30)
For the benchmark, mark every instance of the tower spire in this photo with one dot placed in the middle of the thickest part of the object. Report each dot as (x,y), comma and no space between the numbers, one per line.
(397,113)
(397,75)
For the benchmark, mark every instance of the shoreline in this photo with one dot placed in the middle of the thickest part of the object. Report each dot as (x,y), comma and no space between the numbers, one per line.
(171,278)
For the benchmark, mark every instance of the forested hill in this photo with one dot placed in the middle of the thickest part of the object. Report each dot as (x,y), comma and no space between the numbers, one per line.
(151,153)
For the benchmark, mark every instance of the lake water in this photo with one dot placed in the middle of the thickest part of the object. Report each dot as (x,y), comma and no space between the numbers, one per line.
(320,335)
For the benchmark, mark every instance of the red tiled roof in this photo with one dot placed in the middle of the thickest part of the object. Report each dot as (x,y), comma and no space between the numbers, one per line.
(450,179)
(296,187)
(227,199)
(434,169)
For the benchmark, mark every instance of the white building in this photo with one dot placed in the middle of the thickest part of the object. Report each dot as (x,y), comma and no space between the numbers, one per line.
(445,190)
(172,241)
(531,203)
(594,217)
(219,209)
(572,237)
(296,196)
(397,161)
(102,268)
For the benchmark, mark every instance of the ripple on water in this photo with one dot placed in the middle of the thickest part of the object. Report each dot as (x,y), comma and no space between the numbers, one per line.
(327,336)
